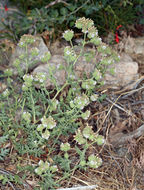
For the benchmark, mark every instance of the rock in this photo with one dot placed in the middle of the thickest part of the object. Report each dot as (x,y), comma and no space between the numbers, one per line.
(80,68)
(59,74)
(134,45)
(33,61)
(57,47)
(139,45)
(83,67)
(126,70)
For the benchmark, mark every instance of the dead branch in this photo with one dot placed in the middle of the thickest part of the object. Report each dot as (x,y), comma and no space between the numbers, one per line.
(121,138)
(80,188)
(55,2)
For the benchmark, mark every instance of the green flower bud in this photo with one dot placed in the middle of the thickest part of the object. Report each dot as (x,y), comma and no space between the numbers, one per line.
(100,140)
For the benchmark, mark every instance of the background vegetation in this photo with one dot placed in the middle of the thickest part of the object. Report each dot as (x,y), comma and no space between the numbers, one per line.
(37,16)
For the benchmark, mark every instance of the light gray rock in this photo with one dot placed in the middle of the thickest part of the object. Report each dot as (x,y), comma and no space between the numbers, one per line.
(83,67)
(54,65)
(134,45)
(126,71)
(33,61)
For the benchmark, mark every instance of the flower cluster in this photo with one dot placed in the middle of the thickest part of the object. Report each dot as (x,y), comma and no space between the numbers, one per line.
(44,167)
(80,101)
(68,35)
(85,115)
(47,124)
(34,51)
(94,161)
(88,84)
(25,40)
(53,105)
(97,74)
(84,24)
(94,97)
(69,54)
(26,116)
(96,41)
(79,137)
(46,57)
(8,72)
(92,32)
(28,79)
(16,63)
(6,93)
(107,61)
(87,133)
(99,140)
(82,139)
(40,77)
(104,49)
(65,147)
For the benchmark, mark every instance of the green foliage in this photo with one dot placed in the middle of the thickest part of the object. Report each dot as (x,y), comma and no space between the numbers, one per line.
(9,178)
(34,17)
(3,151)
(47,116)
(139,6)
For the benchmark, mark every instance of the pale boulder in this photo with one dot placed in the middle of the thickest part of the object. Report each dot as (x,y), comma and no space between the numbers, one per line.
(126,71)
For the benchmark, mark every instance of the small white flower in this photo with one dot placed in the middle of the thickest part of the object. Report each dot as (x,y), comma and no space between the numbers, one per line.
(103,47)
(40,162)
(86,136)
(45,125)
(56,168)
(57,102)
(109,61)
(92,162)
(6,93)
(92,35)
(35,142)
(41,80)
(46,135)
(31,77)
(58,66)
(85,31)
(36,170)
(43,75)
(94,97)
(79,102)
(87,86)
(68,52)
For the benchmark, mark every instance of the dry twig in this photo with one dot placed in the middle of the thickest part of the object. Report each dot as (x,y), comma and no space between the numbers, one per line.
(121,138)
(55,2)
